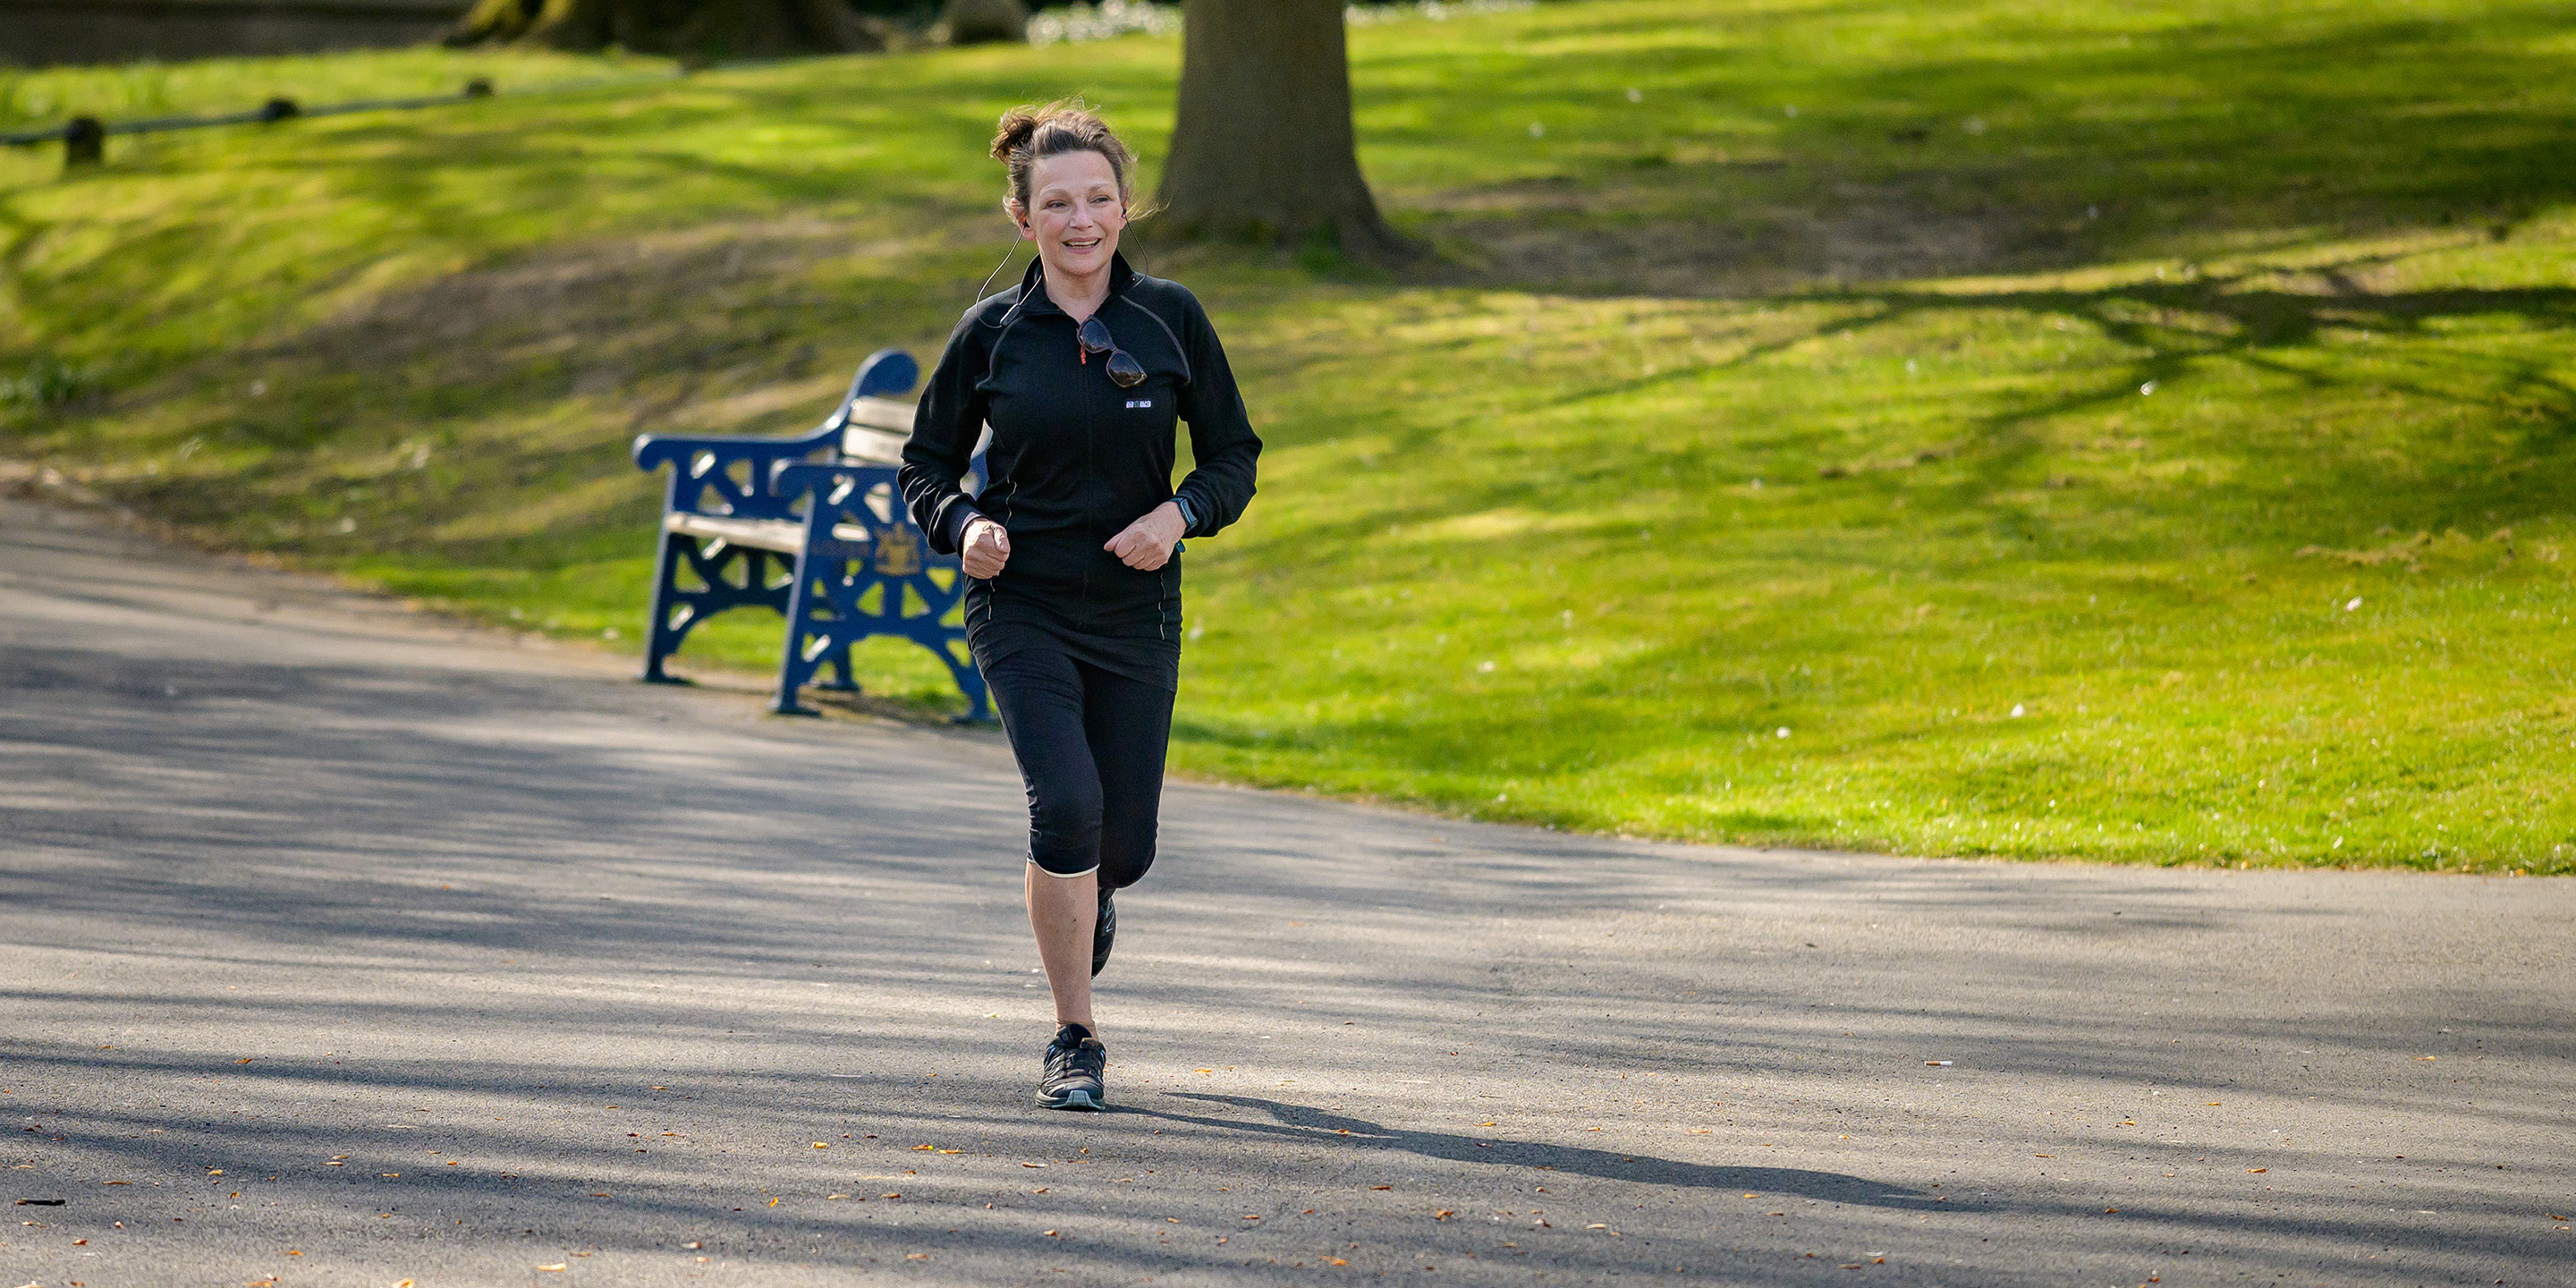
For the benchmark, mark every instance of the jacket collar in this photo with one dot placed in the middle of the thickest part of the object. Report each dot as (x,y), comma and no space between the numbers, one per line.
(1033,296)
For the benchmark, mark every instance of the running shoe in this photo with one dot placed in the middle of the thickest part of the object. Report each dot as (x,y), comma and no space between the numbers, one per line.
(1104,932)
(1074,1064)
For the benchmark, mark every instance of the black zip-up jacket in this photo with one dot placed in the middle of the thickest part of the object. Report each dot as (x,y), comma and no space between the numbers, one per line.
(1074,460)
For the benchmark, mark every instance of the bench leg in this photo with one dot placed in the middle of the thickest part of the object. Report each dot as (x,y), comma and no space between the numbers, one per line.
(844,680)
(661,636)
(676,612)
(794,667)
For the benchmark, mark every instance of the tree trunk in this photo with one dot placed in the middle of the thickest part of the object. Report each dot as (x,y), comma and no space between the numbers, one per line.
(974,22)
(1263,149)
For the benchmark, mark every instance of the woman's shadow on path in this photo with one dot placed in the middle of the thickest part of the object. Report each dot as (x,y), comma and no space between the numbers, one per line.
(1299,1122)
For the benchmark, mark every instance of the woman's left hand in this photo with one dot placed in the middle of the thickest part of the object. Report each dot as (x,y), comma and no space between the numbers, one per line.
(1147,543)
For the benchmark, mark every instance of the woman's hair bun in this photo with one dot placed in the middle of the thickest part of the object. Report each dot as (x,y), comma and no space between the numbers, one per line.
(1030,134)
(1017,126)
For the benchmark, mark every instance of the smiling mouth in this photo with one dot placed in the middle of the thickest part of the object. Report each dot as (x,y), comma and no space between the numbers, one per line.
(1085,244)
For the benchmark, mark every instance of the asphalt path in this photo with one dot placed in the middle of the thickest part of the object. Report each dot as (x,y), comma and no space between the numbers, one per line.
(338,946)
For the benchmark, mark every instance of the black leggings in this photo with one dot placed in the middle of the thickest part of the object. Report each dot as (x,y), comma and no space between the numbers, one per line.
(1090,744)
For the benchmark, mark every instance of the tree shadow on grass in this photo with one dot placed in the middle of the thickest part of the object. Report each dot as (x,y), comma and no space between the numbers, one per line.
(1994,143)
(2255,315)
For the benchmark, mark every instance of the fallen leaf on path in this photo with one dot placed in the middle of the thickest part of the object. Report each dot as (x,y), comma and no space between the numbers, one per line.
(830,1197)
(1442,1215)
(693,1246)
(2258,1169)
(2043,1156)
(560,1265)
(1032,1164)
(1381,1187)
(916,1256)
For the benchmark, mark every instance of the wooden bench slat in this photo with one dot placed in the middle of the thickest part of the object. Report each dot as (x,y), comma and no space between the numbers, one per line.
(873,446)
(786,536)
(893,415)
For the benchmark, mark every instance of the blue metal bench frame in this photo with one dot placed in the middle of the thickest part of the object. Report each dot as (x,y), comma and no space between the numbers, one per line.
(868,571)
(864,568)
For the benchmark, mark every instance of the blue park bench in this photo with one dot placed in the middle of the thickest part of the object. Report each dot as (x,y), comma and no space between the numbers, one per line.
(812,527)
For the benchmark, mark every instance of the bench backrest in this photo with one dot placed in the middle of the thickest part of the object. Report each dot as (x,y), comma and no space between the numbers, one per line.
(875,430)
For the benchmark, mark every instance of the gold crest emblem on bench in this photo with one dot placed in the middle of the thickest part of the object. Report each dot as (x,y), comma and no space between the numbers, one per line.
(898,552)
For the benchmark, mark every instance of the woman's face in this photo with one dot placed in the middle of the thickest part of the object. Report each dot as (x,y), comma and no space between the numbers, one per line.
(1074,213)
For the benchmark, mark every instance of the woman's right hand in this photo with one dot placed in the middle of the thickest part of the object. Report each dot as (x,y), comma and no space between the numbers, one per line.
(983,548)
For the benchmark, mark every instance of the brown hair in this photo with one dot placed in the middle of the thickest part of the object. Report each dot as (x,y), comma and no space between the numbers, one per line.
(1065,125)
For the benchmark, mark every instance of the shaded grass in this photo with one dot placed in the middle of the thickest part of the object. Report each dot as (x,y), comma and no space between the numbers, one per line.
(2089,365)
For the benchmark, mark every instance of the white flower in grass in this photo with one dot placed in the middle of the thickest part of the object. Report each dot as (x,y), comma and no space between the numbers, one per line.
(1781,732)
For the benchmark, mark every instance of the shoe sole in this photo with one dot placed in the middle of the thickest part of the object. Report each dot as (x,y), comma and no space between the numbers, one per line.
(1075,1099)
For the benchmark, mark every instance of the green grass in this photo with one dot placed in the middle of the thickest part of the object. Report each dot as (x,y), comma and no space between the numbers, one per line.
(2193,379)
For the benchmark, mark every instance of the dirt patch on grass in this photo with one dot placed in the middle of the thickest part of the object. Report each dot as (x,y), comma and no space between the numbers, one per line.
(667,302)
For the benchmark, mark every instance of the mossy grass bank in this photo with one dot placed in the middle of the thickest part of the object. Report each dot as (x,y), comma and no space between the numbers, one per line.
(2132,432)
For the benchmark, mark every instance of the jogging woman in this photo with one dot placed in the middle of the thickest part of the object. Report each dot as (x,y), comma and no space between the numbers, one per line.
(1071,546)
